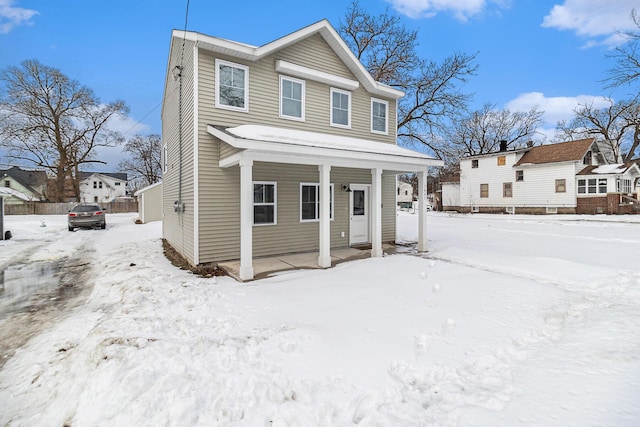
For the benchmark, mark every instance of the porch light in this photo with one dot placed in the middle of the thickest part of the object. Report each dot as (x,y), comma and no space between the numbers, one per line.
(346,187)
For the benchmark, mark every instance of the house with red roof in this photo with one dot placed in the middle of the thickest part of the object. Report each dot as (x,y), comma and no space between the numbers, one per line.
(567,177)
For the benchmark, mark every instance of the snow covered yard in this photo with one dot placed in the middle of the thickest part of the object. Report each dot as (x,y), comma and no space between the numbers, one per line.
(509,320)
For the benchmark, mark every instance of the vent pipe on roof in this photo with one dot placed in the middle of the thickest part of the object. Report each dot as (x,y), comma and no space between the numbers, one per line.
(503,145)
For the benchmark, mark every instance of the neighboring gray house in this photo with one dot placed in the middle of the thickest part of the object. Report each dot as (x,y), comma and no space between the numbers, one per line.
(283,148)
(23,185)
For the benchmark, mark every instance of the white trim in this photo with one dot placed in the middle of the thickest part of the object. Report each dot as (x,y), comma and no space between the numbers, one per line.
(274,204)
(422,212)
(315,75)
(317,201)
(341,92)
(302,94)
(196,176)
(326,31)
(246,220)
(325,214)
(367,189)
(244,109)
(375,210)
(301,147)
(165,158)
(386,116)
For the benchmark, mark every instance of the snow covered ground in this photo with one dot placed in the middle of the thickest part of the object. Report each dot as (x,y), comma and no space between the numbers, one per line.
(509,321)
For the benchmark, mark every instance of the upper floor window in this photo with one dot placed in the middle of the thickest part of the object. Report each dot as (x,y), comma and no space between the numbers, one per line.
(379,115)
(502,160)
(474,163)
(7,183)
(117,184)
(291,98)
(587,158)
(232,86)
(340,108)
(95,184)
(519,175)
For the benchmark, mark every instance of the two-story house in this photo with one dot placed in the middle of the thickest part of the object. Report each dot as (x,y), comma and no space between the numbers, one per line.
(282,148)
(23,185)
(102,187)
(566,177)
(404,197)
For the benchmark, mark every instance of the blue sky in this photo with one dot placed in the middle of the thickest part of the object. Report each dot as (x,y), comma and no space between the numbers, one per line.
(549,53)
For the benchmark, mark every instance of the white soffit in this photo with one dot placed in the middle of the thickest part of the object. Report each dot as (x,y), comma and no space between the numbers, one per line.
(316,75)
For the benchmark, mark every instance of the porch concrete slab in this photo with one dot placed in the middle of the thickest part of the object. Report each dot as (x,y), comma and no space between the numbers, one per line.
(263,267)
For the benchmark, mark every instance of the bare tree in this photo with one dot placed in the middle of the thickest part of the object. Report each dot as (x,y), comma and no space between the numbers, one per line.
(144,165)
(627,58)
(616,124)
(432,90)
(53,122)
(482,131)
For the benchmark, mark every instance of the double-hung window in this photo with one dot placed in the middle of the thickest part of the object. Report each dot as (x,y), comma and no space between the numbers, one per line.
(310,202)
(291,98)
(561,186)
(232,86)
(340,108)
(264,203)
(507,189)
(484,191)
(379,109)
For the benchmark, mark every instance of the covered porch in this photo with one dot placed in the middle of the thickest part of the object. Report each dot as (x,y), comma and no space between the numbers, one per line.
(253,143)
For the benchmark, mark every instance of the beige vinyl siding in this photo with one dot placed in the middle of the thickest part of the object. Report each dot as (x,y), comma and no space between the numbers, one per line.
(178,229)
(264,92)
(219,224)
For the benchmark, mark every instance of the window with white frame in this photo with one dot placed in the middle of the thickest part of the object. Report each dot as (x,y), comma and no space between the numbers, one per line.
(232,86)
(264,203)
(291,98)
(507,189)
(484,191)
(592,186)
(561,186)
(310,202)
(623,185)
(379,109)
(340,108)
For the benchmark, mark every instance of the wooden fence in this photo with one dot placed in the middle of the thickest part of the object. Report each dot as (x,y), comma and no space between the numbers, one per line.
(40,208)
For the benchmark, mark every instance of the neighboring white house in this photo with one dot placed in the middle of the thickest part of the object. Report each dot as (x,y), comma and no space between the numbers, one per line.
(102,187)
(554,178)
(450,193)
(150,202)
(404,198)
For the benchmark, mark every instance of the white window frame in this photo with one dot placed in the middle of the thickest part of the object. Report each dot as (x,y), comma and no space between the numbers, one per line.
(342,92)
(302,101)
(317,201)
(623,185)
(274,204)
(220,62)
(386,116)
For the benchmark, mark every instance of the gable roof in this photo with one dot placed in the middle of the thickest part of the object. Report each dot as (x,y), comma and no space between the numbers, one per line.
(554,153)
(323,28)
(615,169)
(25,177)
(116,175)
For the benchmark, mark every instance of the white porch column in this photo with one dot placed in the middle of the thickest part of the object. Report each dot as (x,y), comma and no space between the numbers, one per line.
(246,219)
(376,212)
(324,257)
(422,211)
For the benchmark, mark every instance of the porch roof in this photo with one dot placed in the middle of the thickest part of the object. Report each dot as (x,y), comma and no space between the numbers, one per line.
(295,146)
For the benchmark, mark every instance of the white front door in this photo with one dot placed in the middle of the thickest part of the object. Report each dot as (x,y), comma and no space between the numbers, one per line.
(359,214)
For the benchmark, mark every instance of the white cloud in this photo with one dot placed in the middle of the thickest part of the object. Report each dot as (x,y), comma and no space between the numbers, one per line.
(598,20)
(11,16)
(555,108)
(461,9)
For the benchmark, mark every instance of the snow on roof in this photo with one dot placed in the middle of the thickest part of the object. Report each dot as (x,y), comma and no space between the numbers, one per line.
(5,192)
(320,140)
(618,168)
